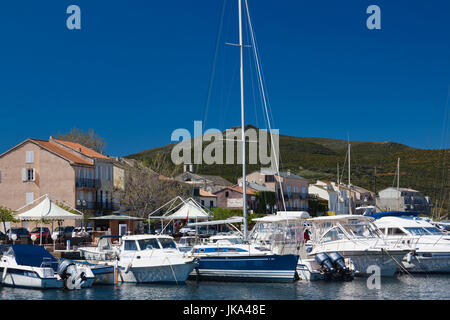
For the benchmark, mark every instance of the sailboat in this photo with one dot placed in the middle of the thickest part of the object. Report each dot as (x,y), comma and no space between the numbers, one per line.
(243,261)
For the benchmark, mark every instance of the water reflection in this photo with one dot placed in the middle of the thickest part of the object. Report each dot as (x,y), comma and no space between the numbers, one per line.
(402,287)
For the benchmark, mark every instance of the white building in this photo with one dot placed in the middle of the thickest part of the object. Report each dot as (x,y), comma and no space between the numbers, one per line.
(403,199)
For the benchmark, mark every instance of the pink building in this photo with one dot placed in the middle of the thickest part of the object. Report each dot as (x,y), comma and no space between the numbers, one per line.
(66,171)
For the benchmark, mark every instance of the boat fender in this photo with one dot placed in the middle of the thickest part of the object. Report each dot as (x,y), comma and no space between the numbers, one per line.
(127,269)
(5,270)
(409,257)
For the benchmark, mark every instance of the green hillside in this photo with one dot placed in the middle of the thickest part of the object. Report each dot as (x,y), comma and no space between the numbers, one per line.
(317,158)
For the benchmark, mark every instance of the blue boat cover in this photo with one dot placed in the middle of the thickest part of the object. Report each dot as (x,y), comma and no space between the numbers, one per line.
(33,256)
(382,214)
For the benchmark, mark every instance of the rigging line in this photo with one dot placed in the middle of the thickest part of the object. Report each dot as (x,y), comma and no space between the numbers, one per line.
(444,138)
(263,94)
(213,68)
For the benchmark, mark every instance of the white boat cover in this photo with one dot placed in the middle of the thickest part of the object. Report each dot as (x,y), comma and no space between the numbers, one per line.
(190,210)
(48,210)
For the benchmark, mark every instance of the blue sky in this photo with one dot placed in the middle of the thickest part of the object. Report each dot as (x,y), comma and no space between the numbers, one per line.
(137,70)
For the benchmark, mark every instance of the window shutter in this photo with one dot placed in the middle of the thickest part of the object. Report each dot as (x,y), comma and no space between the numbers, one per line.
(24,174)
(29,197)
(34,174)
(0,176)
(30,157)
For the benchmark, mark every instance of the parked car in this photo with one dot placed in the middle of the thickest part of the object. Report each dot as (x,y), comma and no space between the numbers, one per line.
(64,233)
(46,235)
(188,231)
(21,233)
(80,232)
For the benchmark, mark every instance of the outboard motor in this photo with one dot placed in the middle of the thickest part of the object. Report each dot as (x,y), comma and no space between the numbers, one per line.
(325,262)
(343,272)
(69,273)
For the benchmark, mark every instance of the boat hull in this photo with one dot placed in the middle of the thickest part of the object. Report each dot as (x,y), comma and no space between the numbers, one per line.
(270,268)
(28,279)
(362,260)
(176,273)
(429,262)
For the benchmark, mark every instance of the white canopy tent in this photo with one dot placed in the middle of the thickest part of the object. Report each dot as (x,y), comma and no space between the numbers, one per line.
(47,210)
(190,210)
(185,210)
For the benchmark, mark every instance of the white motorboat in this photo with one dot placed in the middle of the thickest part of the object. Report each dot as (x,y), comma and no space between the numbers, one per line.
(430,245)
(33,266)
(152,258)
(356,238)
(104,250)
(284,233)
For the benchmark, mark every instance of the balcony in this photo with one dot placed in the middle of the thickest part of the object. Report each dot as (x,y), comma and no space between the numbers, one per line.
(295,195)
(87,183)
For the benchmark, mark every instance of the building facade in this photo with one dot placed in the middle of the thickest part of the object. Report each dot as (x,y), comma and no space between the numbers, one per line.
(70,173)
(293,189)
(403,199)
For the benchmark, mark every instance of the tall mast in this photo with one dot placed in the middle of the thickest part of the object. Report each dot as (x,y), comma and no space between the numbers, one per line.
(398,184)
(349,183)
(244,178)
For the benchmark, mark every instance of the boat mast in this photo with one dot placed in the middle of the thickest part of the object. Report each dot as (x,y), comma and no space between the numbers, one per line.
(398,184)
(244,178)
(349,183)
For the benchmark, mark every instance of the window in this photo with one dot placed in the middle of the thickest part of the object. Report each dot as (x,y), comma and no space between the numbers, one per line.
(203,203)
(395,232)
(416,231)
(333,235)
(211,204)
(269,178)
(167,243)
(433,230)
(130,245)
(29,197)
(226,194)
(29,157)
(148,244)
(28,175)
(295,189)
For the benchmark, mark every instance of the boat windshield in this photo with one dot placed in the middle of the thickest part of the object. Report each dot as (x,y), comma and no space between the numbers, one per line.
(416,231)
(145,244)
(433,230)
(359,230)
(167,243)
(332,235)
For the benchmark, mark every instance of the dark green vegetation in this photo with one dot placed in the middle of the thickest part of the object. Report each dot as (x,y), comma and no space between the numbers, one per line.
(317,158)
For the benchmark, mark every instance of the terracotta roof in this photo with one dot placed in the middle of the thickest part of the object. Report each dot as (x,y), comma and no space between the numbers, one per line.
(62,152)
(82,149)
(239,189)
(204,193)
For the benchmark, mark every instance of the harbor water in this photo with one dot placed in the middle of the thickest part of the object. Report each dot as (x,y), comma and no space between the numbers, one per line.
(403,287)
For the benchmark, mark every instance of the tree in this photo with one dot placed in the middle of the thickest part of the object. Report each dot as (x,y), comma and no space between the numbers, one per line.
(88,139)
(7,215)
(145,190)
